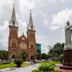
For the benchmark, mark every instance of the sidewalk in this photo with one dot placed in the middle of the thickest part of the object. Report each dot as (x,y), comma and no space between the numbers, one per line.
(22,69)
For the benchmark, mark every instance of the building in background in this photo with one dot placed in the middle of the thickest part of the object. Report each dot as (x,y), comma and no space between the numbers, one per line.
(38,48)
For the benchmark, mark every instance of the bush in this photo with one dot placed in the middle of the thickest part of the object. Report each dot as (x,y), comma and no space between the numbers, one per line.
(61,57)
(44,56)
(38,55)
(18,60)
(4,62)
(46,67)
(36,70)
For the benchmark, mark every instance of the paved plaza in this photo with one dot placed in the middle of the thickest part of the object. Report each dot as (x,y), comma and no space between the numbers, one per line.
(22,69)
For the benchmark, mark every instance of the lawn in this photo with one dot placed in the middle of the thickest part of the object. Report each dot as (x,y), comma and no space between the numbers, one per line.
(2,66)
(25,64)
(54,62)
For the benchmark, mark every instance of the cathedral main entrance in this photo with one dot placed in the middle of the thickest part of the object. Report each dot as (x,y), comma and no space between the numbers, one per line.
(13,56)
(32,58)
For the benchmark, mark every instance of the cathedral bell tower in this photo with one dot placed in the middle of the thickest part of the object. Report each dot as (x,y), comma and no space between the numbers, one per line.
(31,39)
(13,36)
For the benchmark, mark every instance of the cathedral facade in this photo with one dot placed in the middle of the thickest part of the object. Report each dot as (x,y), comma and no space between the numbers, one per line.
(23,43)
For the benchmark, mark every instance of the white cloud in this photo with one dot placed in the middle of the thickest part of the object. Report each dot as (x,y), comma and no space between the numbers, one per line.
(3,25)
(57,0)
(54,27)
(46,23)
(30,4)
(59,19)
(22,28)
(4,39)
(26,5)
(52,0)
(6,2)
(39,38)
(64,0)
(5,8)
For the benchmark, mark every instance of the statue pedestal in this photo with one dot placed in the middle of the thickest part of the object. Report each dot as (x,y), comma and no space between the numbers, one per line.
(67,61)
(68,57)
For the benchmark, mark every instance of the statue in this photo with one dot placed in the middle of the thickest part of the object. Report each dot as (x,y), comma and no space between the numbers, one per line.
(67,60)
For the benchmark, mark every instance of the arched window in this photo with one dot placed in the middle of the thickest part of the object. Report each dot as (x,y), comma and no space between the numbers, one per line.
(13,44)
(31,46)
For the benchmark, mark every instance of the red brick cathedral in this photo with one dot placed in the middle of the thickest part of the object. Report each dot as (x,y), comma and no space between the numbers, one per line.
(21,44)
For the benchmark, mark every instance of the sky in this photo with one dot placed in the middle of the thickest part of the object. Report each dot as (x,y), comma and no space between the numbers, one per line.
(49,19)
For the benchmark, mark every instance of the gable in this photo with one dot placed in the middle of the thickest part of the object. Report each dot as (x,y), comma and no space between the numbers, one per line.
(22,39)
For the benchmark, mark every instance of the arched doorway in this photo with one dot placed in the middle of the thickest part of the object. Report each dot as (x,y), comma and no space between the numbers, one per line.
(13,56)
(32,58)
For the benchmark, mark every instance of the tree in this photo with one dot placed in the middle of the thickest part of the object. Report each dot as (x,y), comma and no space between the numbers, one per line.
(61,57)
(3,55)
(44,56)
(56,51)
(38,55)
(24,55)
(18,60)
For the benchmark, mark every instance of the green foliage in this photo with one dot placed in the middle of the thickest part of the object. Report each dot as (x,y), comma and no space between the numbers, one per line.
(61,57)
(54,62)
(24,64)
(36,70)
(56,51)
(38,55)
(3,55)
(18,60)
(44,56)
(2,66)
(24,55)
(46,67)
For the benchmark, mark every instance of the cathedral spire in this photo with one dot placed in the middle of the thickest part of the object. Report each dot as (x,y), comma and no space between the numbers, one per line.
(30,25)
(13,14)
(13,21)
